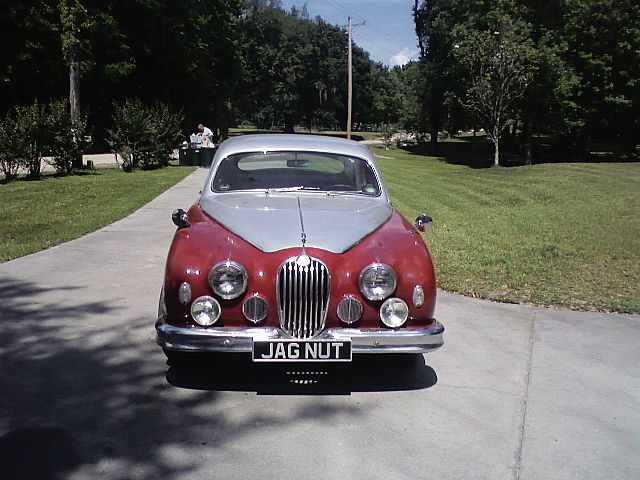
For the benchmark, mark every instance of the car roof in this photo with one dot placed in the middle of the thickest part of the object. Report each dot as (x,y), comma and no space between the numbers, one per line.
(297,142)
(282,142)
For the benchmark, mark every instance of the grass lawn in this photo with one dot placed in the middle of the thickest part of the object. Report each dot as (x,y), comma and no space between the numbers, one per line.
(37,215)
(550,234)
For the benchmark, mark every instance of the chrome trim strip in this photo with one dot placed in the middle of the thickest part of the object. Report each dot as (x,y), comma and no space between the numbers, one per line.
(227,339)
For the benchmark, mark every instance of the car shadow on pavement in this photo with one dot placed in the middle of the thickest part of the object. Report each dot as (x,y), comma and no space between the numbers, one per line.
(367,373)
(84,395)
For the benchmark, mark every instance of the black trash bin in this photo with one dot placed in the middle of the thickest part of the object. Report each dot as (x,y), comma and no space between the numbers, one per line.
(206,156)
(198,157)
(183,156)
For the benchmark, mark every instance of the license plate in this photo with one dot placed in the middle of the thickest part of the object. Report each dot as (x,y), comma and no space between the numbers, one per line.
(301,351)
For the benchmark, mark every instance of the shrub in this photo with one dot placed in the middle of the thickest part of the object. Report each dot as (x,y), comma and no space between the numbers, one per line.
(21,141)
(30,127)
(388,131)
(144,136)
(9,137)
(167,126)
(66,138)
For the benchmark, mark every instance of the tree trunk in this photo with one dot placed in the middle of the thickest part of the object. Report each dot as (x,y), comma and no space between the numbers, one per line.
(582,143)
(434,135)
(526,134)
(34,167)
(288,124)
(34,159)
(74,101)
(74,90)
(496,155)
(224,132)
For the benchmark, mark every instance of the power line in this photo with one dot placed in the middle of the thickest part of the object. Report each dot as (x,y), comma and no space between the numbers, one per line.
(373,28)
(370,25)
(383,47)
(391,50)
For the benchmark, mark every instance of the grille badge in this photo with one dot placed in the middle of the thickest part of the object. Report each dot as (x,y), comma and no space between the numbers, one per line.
(303,260)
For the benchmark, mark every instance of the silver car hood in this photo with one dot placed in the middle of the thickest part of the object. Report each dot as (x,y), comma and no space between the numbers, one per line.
(272,222)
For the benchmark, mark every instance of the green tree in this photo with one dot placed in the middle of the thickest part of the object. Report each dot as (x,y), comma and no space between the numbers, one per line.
(434,21)
(586,59)
(183,53)
(74,21)
(31,64)
(499,64)
(603,49)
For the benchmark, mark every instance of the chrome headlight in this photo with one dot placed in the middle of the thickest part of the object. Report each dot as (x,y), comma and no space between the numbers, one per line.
(394,312)
(228,280)
(377,281)
(205,310)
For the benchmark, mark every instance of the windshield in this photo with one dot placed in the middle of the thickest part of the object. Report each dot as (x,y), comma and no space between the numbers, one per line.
(291,171)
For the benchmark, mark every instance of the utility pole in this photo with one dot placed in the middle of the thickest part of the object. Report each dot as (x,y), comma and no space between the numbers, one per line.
(350,77)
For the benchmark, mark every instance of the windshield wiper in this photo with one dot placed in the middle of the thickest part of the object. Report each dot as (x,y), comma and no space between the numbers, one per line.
(332,193)
(290,189)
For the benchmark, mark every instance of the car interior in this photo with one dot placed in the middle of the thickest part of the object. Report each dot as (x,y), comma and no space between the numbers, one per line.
(295,170)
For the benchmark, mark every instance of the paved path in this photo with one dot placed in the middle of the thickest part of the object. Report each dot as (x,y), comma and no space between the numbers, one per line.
(85,393)
(96,158)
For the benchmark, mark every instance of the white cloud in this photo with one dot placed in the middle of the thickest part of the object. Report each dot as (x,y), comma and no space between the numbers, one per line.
(402,57)
(369,2)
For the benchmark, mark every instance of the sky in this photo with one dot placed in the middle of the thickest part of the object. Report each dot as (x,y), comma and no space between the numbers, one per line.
(388,34)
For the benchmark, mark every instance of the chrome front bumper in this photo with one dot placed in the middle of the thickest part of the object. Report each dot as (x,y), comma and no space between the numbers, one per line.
(225,339)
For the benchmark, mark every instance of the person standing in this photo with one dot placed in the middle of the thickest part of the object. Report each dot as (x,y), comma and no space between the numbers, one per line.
(204,133)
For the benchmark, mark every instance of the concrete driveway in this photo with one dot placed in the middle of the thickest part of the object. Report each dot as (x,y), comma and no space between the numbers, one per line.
(516,392)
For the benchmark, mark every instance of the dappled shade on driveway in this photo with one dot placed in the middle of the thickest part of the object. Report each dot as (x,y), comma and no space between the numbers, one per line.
(87,393)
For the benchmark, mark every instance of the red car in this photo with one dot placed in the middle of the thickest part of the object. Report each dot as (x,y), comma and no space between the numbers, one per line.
(295,253)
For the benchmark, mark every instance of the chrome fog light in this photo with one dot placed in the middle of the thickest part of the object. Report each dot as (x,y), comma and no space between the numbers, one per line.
(228,280)
(205,310)
(418,296)
(377,281)
(184,293)
(349,309)
(394,312)
(255,308)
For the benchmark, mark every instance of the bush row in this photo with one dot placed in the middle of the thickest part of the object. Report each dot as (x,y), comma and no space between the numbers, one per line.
(31,132)
(144,137)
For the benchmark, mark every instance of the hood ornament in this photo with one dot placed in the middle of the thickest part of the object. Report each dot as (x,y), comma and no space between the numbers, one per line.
(303,259)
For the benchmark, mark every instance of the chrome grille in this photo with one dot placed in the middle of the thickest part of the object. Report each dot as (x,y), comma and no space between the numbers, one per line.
(303,297)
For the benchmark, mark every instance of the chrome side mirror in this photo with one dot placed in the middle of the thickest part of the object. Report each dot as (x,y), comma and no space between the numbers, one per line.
(180,218)
(423,222)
